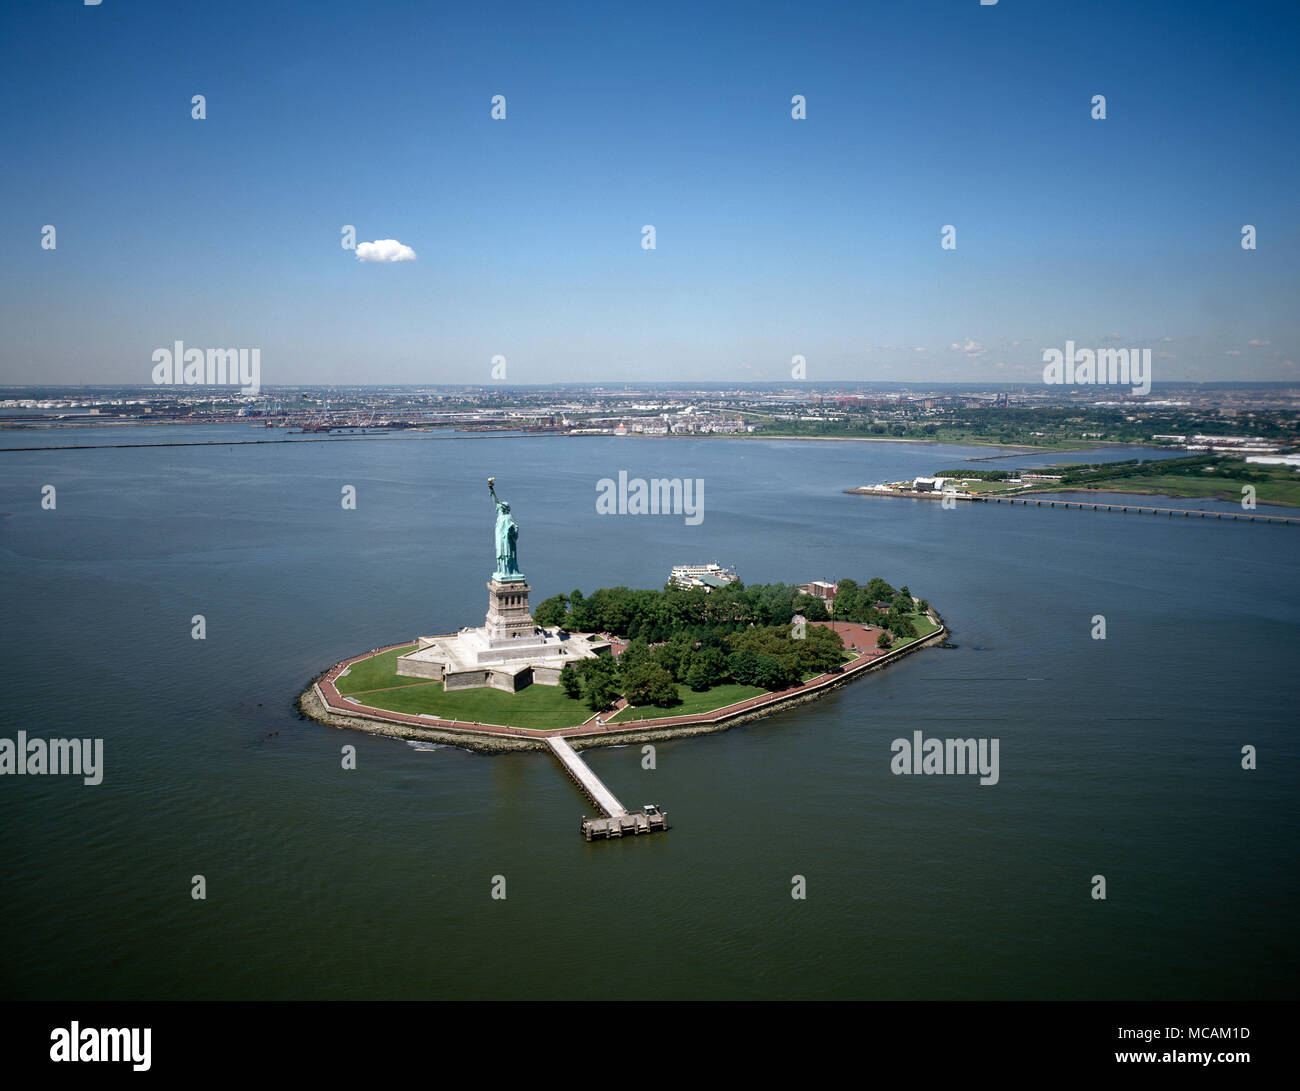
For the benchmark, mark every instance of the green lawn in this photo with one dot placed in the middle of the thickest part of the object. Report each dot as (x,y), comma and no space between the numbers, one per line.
(924,627)
(692,702)
(994,487)
(1278,489)
(1282,485)
(375,673)
(544,708)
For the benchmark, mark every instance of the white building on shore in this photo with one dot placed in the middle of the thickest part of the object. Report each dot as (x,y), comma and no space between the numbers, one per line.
(707,576)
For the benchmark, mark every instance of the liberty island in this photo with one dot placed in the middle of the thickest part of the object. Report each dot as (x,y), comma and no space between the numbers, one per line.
(560,682)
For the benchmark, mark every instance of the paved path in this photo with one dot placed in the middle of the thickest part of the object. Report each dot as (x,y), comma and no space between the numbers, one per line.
(619,706)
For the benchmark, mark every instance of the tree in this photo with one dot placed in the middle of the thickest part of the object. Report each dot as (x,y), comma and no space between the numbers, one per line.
(708,668)
(610,609)
(742,665)
(812,608)
(670,657)
(635,654)
(714,659)
(552,611)
(578,613)
(772,673)
(883,641)
(571,681)
(850,602)
(698,677)
(650,684)
(601,692)
(751,668)
(712,638)
(692,618)
(821,650)
(848,597)
(596,679)
(902,626)
(878,591)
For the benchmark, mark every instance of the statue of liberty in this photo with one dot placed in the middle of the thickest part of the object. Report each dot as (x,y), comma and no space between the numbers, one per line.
(507,536)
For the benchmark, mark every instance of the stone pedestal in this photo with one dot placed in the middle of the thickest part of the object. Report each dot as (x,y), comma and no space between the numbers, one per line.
(508,617)
(509,652)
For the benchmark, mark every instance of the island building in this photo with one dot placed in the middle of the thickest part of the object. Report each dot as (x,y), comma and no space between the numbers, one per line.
(510,650)
(822,589)
(709,576)
(1281,460)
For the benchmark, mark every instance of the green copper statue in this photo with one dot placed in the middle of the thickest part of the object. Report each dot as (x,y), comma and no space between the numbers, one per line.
(507,535)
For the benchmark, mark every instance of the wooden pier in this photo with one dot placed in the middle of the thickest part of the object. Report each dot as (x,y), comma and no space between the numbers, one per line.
(618,820)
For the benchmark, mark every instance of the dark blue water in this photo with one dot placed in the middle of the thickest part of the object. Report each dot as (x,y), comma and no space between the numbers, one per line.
(1119,757)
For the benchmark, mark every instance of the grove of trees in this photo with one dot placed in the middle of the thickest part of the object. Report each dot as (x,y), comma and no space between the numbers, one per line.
(701,639)
(769,657)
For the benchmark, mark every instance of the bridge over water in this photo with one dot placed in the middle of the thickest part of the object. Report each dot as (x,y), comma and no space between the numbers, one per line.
(1137,509)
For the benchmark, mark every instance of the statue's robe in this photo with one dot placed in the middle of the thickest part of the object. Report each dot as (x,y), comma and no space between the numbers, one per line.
(507,535)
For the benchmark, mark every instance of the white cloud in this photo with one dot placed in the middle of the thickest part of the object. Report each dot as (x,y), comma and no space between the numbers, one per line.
(1259,342)
(384,250)
(1166,340)
(1233,352)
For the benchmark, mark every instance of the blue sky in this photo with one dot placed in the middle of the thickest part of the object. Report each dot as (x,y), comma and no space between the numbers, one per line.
(775,237)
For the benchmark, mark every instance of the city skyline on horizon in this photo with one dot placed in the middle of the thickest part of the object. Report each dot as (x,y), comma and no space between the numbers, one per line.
(650,385)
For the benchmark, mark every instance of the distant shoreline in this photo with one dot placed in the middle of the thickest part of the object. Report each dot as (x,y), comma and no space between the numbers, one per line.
(1012,450)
